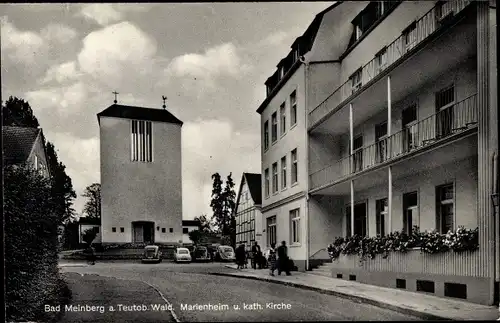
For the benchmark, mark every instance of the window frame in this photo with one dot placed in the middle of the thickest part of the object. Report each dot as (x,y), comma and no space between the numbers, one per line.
(407,207)
(266,135)
(283,119)
(274,127)
(356,86)
(440,203)
(293,108)
(283,172)
(275,179)
(271,223)
(382,212)
(294,226)
(141,141)
(295,167)
(266,183)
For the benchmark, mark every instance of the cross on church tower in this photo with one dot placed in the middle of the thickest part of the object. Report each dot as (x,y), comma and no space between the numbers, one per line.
(164,99)
(116,94)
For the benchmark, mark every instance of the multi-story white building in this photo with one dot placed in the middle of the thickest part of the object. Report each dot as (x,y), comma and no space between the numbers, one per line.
(141,183)
(397,127)
(247,212)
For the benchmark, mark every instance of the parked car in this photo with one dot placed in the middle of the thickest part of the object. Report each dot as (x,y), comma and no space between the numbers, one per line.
(152,254)
(200,253)
(182,255)
(225,253)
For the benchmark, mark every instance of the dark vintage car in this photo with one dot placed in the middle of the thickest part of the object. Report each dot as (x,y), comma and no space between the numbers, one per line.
(200,253)
(152,254)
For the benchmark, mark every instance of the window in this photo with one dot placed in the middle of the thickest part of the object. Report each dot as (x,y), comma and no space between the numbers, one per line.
(295,225)
(163,230)
(96,229)
(266,135)
(348,224)
(444,207)
(295,169)
(283,118)
(266,182)
(295,55)
(360,223)
(36,162)
(283,172)
(410,36)
(356,80)
(113,229)
(274,130)
(171,230)
(358,31)
(122,229)
(282,72)
(410,135)
(275,177)
(382,211)
(410,212)
(293,108)
(185,230)
(445,100)
(141,141)
(271,230)
(380,60)
(357,153)
(381,150)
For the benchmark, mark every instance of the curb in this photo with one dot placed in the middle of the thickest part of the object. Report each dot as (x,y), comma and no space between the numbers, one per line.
(355,298)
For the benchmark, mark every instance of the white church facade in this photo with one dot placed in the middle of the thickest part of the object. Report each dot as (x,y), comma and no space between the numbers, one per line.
(141,175)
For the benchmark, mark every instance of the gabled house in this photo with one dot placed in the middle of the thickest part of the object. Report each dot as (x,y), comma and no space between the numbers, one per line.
(248,214)
(24,145)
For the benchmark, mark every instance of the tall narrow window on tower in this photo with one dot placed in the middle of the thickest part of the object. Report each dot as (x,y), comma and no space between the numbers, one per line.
(141,141)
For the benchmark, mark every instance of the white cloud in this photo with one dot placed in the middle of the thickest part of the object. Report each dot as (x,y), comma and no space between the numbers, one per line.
(222,60)
(66,100)
(204,141)
(61,73)
(101,13)
(58,33)
(20,46)
(111,52)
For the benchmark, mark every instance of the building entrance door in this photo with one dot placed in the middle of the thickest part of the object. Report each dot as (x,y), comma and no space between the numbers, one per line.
(143,232)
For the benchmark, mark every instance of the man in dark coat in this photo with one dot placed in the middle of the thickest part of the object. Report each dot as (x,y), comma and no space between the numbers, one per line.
(240,256)
(283,259)
(257,255)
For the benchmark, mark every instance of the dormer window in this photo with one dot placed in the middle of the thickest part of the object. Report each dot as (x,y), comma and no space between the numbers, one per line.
(358,32)
(295,55)
(410,36)
(282,72)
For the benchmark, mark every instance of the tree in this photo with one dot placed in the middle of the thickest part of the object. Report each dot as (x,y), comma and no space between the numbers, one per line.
(205,224)
(195,236)
(93,205)
(89,235)
(223,204)
(17,112)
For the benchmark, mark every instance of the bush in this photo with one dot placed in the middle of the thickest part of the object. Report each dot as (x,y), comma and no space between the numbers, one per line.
(31,247)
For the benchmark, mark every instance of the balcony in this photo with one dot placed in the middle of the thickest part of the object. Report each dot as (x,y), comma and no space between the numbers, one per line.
(399,50)
(448,123)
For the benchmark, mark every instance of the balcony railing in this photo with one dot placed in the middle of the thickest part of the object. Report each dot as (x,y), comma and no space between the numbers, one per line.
(411,37)
(455,119)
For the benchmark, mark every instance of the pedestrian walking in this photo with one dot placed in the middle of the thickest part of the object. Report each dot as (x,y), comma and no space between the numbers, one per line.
(271,258)
(283,260)
(257,255)
(240,256)
(91,255)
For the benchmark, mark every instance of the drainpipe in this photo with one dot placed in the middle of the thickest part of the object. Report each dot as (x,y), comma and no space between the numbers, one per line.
(496,229)
(306,153)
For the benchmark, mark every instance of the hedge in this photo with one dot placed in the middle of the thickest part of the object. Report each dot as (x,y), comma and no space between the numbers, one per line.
(32,277)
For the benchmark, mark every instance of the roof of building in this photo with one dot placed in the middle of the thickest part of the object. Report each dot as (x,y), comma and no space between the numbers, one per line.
(190,223)
(306,42)
(138,113)
(254,186)
(18,143)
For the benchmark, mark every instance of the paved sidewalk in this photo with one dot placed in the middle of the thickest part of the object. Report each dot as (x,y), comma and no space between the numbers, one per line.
(417,304)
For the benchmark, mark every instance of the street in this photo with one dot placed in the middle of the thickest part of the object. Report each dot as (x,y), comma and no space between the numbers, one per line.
(195,296)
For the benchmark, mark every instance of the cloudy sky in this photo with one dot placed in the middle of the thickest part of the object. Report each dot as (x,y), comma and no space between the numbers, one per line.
(211,60)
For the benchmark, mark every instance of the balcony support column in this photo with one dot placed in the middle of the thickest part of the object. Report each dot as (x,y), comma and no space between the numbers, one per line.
(389,107)
(352,208)
(389,200)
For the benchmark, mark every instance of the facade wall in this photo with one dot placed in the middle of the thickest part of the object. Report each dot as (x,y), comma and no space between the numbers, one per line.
(384,34)
(185,236)
(463,174)
(135,191)
(294,138)
(297,252)
(324,224)
(41,158)
(323,78)
(84,227)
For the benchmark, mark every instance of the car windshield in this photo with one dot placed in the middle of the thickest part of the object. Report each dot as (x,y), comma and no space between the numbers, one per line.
(227,249)
(182,252)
